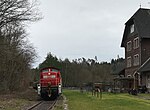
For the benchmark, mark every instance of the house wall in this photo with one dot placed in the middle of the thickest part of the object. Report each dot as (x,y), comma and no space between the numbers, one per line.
(132,69)
(144,54)
(145,50)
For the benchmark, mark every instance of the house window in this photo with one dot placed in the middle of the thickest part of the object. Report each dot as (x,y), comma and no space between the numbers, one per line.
(136,43)
(129,76)
(132,28)
(129,62)
(129,46)
(136,60)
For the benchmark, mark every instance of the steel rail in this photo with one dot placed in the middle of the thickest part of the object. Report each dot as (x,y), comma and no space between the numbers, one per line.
(30,108)
(42,104)
(52,105)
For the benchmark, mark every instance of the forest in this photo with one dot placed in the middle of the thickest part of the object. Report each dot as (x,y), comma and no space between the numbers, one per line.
(81,71)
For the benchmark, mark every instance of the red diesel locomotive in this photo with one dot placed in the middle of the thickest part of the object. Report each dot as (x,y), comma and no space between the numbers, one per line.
(50,82)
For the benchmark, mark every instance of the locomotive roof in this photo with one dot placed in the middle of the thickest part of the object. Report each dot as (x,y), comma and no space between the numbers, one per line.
(50,68)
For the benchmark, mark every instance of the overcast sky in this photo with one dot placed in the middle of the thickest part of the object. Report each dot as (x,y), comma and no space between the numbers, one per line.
(82,28)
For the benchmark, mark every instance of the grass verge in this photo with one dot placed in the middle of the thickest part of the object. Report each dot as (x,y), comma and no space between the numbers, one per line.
(60,104)
(109,101)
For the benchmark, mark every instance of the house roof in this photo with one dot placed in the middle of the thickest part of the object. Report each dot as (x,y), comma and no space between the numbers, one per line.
(141,20)
(118,68)
(145,67)
(124,78)
(119,71)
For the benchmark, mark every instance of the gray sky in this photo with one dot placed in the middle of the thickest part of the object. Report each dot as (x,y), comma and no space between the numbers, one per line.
(82,28)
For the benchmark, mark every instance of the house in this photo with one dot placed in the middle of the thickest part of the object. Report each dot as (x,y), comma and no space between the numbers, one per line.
(136,42)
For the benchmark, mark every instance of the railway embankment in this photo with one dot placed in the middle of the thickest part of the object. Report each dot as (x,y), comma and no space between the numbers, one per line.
(25,100)
(61,103)
(18,100)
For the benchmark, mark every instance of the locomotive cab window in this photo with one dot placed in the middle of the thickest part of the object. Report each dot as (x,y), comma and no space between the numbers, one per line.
(45,71)
(54,70)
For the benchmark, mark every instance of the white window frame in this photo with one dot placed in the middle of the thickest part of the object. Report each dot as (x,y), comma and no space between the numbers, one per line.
(136,43)
(129,61)
(129,76)
(129,46)
(136,60)
(132,28)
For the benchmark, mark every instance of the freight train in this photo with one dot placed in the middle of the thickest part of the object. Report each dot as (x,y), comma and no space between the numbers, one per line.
(50,82)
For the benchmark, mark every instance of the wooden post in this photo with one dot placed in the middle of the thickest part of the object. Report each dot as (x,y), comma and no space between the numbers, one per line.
(100,93)
(134,76)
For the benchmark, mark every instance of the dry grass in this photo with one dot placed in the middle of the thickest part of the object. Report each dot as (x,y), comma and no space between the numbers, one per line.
(18,101)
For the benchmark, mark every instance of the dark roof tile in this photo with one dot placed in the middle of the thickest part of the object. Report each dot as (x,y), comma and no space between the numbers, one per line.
(145,67)
(141,19)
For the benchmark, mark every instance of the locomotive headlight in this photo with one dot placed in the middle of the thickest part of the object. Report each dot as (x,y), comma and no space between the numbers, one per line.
(38,86)
(59,85)
(45,76)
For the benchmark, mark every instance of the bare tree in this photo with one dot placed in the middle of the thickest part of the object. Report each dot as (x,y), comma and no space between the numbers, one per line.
(16,54)
(17,11)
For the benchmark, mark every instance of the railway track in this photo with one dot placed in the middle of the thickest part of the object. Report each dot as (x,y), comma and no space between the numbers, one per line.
(43,105)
